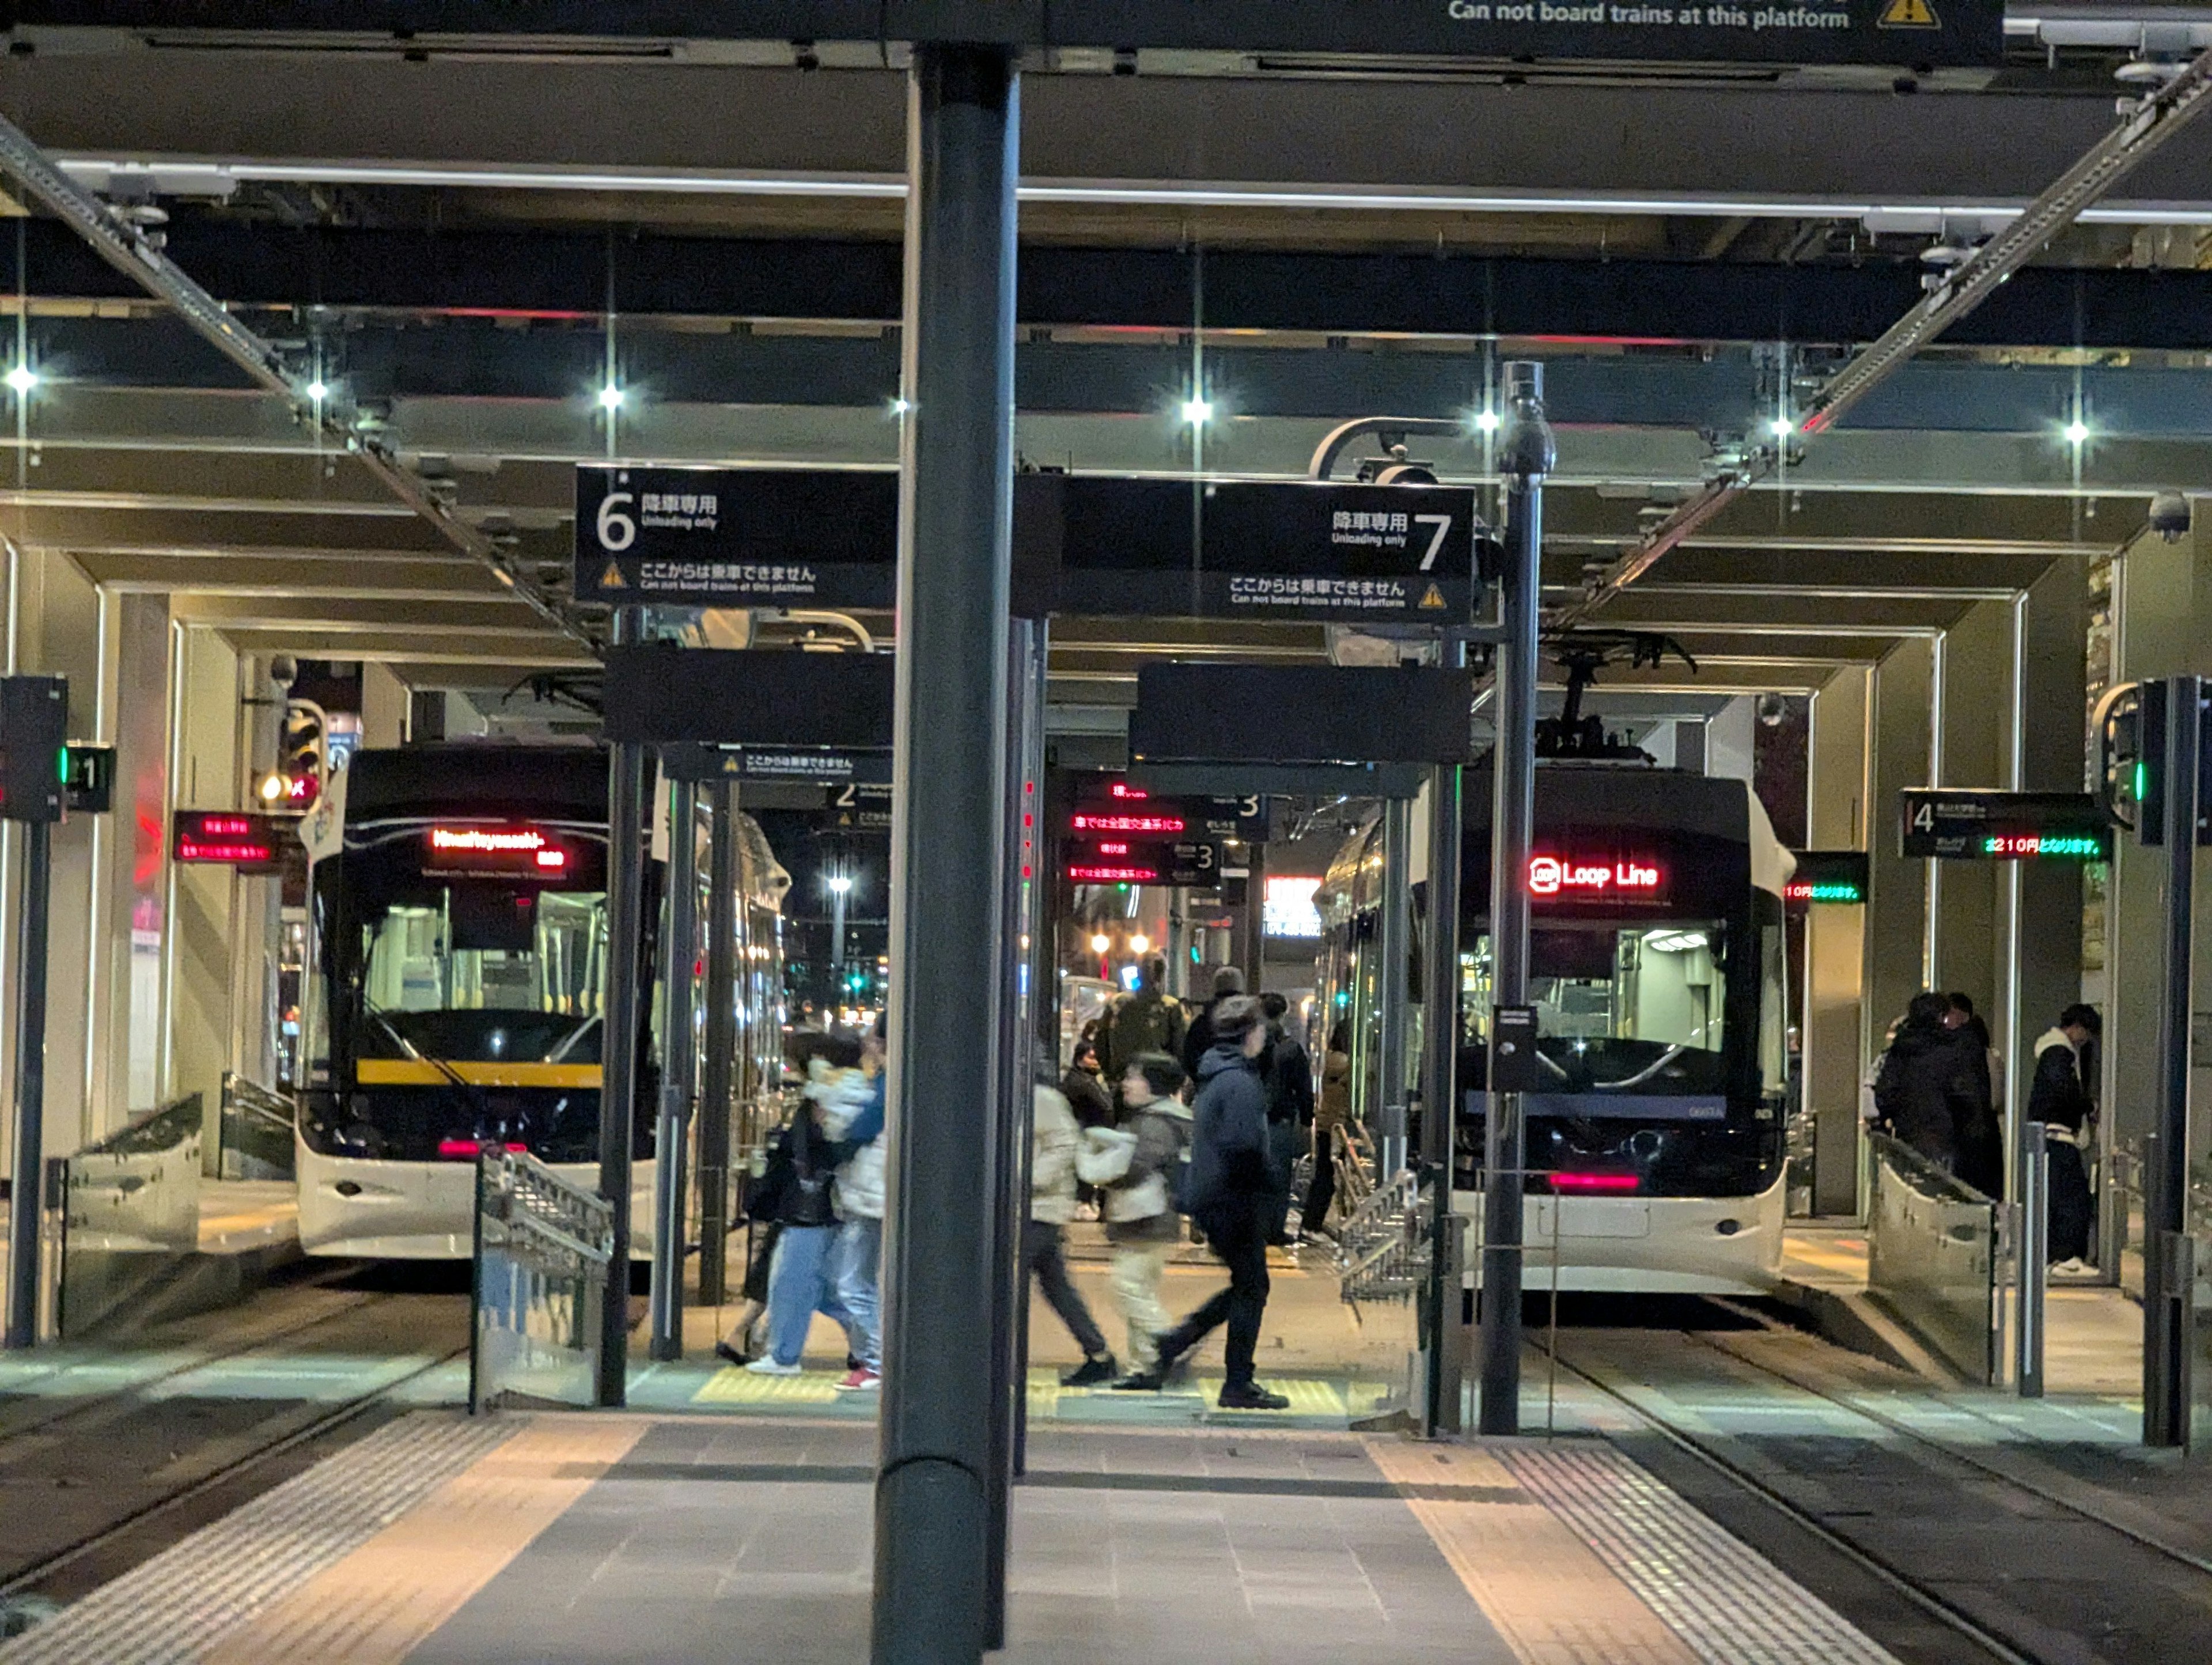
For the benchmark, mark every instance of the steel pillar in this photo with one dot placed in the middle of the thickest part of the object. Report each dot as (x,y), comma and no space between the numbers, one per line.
(718,1080)
(2167,1291)
(626,854)
(1394,944)
(935,1481)
(678,1054)
(27,1193)
(1526,455)
(2032,1274)
(1440,1397)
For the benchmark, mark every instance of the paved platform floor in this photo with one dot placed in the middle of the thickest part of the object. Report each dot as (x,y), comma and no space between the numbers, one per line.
(552,1539)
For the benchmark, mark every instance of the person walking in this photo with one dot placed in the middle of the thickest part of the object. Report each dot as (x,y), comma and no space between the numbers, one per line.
(803,1163)
(2058,1098)
(1146,1019)
(1289,1107)
(856,1258)
(1198,1040)
(1332,1117)
(1228,1187)
(1928,1093)
(1054,1141)
(1137,1167)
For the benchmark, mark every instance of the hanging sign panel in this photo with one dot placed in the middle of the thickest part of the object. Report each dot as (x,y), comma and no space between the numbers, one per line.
(1129,861)
(736,537)
(1827,878)
(1956,823)
(1882,32)
(1122,811)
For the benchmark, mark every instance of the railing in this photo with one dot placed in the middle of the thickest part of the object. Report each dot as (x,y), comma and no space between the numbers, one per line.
(130,1221)
(543,1247)
(1933,1257)
(257,1132)
(1383,1247)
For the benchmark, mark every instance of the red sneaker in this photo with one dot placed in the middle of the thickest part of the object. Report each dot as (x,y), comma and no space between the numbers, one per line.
(861,1381)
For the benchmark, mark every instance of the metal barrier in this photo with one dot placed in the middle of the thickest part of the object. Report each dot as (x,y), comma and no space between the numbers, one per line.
(130,1222)
(1383,1261)
(1933,1257)
(543,1248)
(257,1132)
(2031,1259)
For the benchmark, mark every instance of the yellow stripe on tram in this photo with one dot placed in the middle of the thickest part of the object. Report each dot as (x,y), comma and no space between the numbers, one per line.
(421,1072)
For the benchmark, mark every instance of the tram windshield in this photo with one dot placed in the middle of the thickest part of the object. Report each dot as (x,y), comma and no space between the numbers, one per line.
(473,972)
(1627,1006)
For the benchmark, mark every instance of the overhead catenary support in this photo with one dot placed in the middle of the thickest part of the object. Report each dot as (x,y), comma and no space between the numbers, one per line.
(935,1474)
(132,251)
(673,1123)
(2144,126)
(1526,455)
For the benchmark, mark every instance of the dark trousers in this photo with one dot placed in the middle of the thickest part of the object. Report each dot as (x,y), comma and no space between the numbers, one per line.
(2073,1212)
(1238,1237)
(1045,1255)
(1322,1192)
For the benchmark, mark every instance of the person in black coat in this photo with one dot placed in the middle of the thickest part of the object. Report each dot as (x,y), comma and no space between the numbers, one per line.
(2058,1098)
(1289,1074)
(1228,1188)
(1198,1040)
(1928,1093)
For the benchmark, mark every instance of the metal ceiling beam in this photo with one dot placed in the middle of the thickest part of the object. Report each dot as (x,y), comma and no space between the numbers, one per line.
(2143,127)
(129,249)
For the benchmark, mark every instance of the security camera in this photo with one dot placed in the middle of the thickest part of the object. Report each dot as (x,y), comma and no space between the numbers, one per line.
(283,671)
(2170,516)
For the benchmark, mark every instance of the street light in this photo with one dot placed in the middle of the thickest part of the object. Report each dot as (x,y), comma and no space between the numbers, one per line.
(1139,943)
(1100,943)
(839,886)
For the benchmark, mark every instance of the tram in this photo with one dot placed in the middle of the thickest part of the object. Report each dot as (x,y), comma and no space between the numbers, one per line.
(1657,968)
(457,943)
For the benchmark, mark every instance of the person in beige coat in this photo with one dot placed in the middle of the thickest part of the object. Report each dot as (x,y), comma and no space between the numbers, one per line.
(1055,1139)
(1136,1167)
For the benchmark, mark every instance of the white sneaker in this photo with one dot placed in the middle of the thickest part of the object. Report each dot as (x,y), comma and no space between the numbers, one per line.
(768,1367)
(2073,1267)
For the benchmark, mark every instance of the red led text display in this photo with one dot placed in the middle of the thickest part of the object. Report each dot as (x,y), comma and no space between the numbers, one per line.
(1579,878)
(512,852)
(219,839)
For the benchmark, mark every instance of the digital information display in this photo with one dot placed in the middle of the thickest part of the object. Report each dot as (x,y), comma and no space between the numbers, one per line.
(1131,861)
(500,851)
(1122,811)
(1827,879)
(1902,33)
(1972,824)
(250,843)
(1596,876)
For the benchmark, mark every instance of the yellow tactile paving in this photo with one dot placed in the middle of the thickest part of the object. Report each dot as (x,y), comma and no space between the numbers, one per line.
(1542,1588)
(740,1387)
(380,1603)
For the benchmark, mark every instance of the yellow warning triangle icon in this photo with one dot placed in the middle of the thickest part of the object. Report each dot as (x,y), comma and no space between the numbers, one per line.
(612,579)
(1908,15)
(1431,599)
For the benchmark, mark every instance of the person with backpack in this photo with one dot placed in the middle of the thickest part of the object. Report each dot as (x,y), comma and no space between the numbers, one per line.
(1147,1019)
(1228,1188)
(1140,1169)
(1290,1106)
(797,1193)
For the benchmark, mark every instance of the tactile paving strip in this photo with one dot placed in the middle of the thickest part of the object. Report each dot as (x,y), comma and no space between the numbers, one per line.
(1729,1604)
(177,1607)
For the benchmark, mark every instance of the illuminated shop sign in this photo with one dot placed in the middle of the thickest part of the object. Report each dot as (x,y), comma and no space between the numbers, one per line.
(1594,879)
(505,850)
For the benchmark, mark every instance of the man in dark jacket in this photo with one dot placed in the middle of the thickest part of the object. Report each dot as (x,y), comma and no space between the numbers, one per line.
(1290,1103)
(1198,1040)
(2059,1099)
(1146,1019)
(1928,1092)
(1228,1188)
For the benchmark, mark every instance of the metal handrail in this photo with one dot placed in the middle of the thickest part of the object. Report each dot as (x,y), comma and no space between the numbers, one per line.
(1383,1246)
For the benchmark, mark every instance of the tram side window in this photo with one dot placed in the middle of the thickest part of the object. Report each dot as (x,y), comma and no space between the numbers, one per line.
(473,951)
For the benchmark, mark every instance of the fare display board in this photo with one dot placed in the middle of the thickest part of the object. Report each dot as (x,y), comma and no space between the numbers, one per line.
(1827,878)
(1974,824)
(1881,32)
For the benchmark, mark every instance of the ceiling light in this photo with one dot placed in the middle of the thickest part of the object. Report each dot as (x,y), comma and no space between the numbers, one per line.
(319,390)
(1782,428)
(1196,413)
(22,379)
(1485,421)
(900,407)
(2077,431)
(610,398)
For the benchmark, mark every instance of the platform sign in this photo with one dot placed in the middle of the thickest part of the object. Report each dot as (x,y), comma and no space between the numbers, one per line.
(1120,810)
(1289,551)
(1130,861)
(1974,824)
(222,838)
(736,537)
(799,764)
(1903,32)
(1827,878)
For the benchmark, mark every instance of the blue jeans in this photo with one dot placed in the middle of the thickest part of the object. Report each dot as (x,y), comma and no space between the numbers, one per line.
(799,1286)
(854,1264)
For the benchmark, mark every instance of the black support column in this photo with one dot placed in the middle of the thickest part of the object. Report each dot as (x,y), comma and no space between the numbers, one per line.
(626,854)
(936,1478)
(718,1076)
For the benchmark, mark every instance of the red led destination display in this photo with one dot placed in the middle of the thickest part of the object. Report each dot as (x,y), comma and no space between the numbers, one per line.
(1134,862)
(1590,876)
(508,852)
(217,838)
